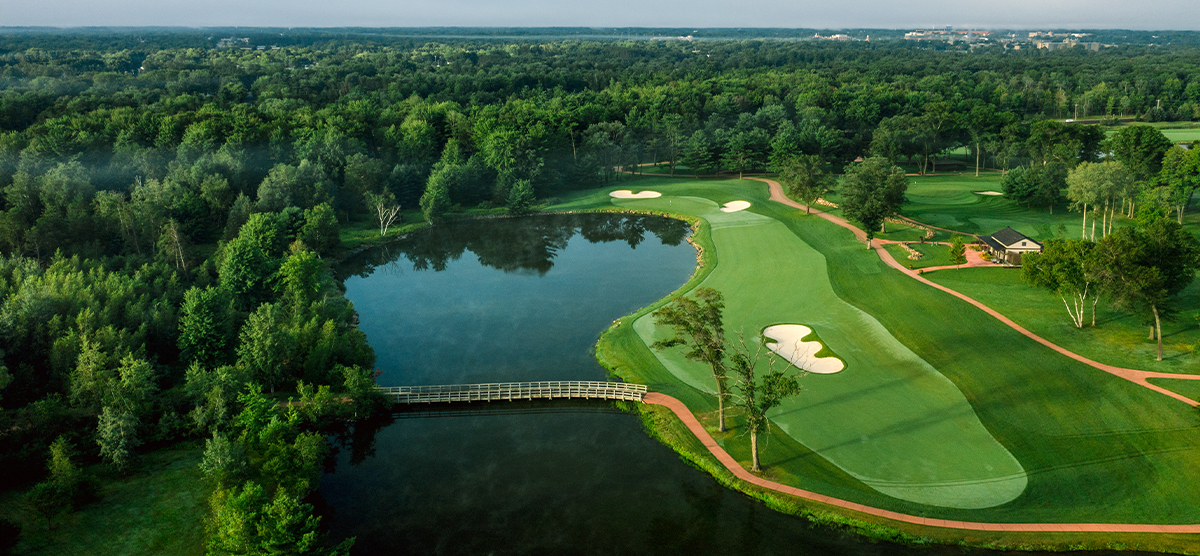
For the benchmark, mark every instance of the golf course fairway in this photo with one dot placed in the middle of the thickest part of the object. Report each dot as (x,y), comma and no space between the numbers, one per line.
(890,419)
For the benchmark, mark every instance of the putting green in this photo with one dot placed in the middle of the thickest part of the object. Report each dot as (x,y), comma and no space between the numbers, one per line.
(889,419)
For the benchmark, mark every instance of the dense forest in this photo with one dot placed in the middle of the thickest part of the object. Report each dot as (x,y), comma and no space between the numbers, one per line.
(168,208)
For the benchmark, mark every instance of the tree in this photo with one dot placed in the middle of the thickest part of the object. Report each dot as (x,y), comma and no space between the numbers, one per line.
(301,276)
(873,190)
(1065,267)
(91,375)
(697,153)
(171,244)
(1017,185)
(64,488)
(126,401)
(698,326)
(321,231)
(1181,175)
(266,346)
(250,260)
(116,433)
(756,396)
(744,150)
(224,460)
(672,139)
(805,178)
(1140,148)
(384,206)
(520,198)
(1098,185)
(958,251)
(204,326)
(301,186)
(435,201)
(1144,266)
(1051,141)
(895,138)
(246,521)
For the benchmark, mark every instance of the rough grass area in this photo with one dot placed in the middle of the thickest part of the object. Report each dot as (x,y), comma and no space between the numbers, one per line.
(1072,428)
(159,508)
(1118,338)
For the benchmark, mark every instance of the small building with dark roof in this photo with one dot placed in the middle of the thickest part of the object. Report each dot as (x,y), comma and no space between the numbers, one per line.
(1007,246)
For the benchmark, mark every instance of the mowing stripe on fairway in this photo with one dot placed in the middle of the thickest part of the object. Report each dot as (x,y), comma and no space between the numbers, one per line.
(890,419)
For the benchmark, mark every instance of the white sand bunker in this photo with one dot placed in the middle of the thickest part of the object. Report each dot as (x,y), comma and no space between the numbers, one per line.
(627,194)
(734,206)
(988,193)
(802,354)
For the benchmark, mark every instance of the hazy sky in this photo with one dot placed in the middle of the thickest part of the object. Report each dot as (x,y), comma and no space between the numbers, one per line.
(1126,14)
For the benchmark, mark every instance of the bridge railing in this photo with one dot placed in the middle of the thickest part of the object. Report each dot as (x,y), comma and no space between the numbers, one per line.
(500,391)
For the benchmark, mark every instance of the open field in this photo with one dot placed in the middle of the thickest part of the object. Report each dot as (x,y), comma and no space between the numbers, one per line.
(1182,135)
(1070,427)
(158,508)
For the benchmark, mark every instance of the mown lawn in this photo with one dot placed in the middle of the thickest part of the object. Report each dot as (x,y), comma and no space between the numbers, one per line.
(935,255)
(1119,338)
(1072,428)
(950,201)
(158,508)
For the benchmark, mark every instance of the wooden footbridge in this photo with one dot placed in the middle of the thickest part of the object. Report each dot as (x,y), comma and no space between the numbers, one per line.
(513,391)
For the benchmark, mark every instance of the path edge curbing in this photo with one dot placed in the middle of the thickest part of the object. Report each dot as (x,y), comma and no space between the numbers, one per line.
(689,420)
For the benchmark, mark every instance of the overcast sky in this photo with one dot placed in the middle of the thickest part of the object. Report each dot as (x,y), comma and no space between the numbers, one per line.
(822,14)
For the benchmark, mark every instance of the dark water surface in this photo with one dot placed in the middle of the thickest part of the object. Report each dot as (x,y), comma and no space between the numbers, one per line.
(525,299)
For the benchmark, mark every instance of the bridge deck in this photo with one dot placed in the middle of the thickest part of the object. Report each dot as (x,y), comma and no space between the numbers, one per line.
(508,391)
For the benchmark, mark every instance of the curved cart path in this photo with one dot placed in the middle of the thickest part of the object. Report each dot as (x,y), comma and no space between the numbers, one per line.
(685,415)
(1132,375)
(974,258)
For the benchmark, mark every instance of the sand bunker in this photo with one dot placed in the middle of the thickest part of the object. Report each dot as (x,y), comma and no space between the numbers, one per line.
(800,353)
(988,193)
(627,194)
(734,206)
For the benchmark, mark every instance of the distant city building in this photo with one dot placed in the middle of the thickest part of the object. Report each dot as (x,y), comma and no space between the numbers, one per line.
(233,41)
(838,37)
(1051,35)
(1067,43)
(947,35)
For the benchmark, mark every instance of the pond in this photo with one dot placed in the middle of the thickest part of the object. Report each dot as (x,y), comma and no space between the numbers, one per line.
(526,299)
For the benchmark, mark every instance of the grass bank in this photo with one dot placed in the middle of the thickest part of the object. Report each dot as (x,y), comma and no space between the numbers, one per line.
(158,508)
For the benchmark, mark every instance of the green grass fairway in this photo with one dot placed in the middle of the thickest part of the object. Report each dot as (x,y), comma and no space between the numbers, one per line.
(895,414)
(1188,388)
(950,201)
(1095,448)
(1118,338)
(1182,135)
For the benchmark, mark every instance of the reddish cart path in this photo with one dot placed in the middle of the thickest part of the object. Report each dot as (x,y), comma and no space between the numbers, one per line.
(685,415)
(1132,375)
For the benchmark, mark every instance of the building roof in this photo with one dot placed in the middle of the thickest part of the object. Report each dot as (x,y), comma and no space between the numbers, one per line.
(991,243)
(1008,237)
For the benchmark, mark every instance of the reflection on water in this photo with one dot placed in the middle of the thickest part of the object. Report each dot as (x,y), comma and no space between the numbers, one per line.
(562,477)
(513,244)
